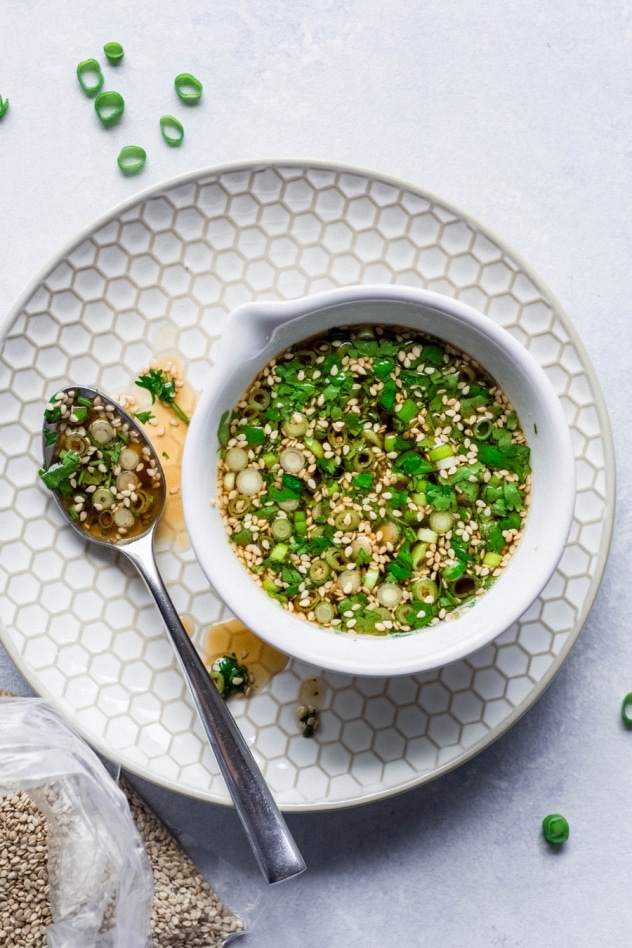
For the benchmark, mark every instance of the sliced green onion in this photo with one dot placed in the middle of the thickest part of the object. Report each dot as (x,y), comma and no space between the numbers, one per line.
(626,708)
(172,130)
(102,497)
(259,399)
(109,106)
(335,558)
(347,520)
(389,595)
(555,829)
(289,505)
(129,459)
(292,460)
(319,572)
(236,459)
(279,552)
(464,586)
(407,411)
(492,560)
(314,446)
(123,517)
(238,506)
(371,577)
(102,431)
(440,521)
(4,105)
(188,88)
(306,601)
(425,589)
(388,533)
(482,429)
(426,535)
(440,452)
(90,77)
(349,582)
(417,554)
(249,481)
(131,159)
(76,443)
(143,502)
(281,529)
(324,611)
(361,545)
(295,426)
(114,52)
(126,480)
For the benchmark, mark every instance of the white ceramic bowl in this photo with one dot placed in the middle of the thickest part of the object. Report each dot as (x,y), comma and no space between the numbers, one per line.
(256,332)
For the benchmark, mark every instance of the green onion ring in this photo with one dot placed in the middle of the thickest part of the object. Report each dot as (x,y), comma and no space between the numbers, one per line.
(109,107)
(85,69)
(555,829)
(131,159)
(114,52)
(4,105)
(172,130)
(626,710)
(188,87)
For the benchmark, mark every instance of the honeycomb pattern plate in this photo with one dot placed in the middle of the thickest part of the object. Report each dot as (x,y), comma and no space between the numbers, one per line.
(162,272)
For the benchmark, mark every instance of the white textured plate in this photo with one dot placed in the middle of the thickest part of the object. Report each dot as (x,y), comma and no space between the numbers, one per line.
(170,265)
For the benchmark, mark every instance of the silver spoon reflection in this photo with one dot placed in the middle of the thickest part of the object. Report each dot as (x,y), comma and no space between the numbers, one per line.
(98,435)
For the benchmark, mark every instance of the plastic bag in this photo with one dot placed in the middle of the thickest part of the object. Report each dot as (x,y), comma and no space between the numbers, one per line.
(101,887)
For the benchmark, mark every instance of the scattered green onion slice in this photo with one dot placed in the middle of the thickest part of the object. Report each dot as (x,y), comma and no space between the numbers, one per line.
(4,105)
(188,87)
(555,829)
(626,710)
(131,159)
(172,130)
(109,106)
(114,52)
(90,77)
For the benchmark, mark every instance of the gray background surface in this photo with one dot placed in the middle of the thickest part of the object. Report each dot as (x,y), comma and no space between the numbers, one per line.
(519,114)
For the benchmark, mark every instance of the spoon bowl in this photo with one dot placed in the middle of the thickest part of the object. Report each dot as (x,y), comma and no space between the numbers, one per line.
(90,422)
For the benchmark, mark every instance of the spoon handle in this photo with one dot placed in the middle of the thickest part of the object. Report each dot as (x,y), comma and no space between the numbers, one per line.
(274,848)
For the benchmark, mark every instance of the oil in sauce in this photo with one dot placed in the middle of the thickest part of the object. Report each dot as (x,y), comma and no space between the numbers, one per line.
(262,660)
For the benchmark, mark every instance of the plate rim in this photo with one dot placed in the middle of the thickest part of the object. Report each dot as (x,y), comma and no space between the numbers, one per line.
(250,165)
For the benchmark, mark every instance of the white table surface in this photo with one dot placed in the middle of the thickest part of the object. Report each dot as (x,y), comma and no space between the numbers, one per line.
(520,114)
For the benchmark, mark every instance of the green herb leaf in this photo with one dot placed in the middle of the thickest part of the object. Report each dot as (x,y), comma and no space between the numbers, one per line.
(61,471)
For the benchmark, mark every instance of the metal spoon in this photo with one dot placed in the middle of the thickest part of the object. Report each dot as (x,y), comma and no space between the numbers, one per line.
(274,848)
